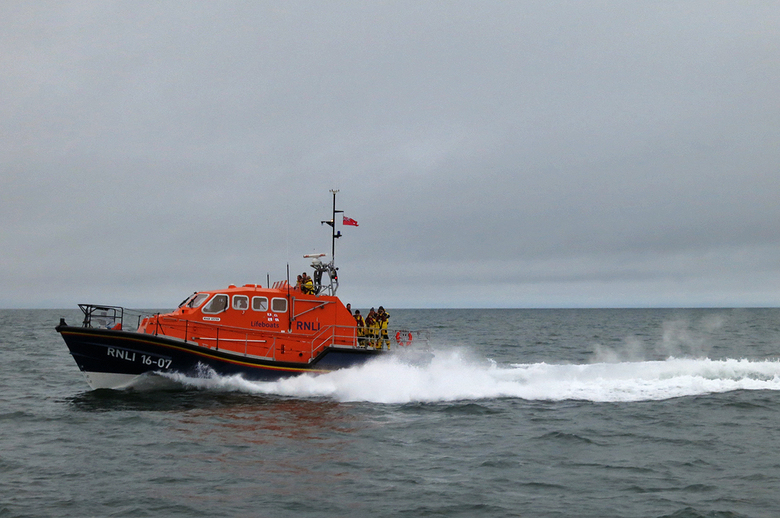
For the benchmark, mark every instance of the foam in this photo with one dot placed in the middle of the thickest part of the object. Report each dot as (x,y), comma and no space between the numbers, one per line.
(452,375)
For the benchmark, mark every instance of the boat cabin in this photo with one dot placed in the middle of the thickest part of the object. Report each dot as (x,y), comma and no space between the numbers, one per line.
(280,323)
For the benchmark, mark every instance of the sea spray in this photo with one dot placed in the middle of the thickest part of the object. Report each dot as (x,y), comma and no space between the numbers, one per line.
(454,375)
(680,337)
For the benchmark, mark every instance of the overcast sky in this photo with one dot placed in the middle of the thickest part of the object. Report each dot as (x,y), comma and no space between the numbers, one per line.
(494,154)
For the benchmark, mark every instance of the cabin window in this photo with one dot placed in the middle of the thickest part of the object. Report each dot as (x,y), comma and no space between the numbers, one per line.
(279,305)
(197,300)
(217,304)
(240,302)
(260,303)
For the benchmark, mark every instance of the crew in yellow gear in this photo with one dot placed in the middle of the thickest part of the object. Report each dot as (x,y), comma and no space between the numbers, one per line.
(372,328)
(307,285)
(361,328)
(383,317)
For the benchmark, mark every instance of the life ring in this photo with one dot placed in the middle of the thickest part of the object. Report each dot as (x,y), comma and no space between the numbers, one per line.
(403,338)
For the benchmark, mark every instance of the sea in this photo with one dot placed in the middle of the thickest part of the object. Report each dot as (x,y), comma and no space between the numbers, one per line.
(650,413)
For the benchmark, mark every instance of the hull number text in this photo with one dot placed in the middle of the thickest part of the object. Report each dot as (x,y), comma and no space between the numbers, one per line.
(131,356)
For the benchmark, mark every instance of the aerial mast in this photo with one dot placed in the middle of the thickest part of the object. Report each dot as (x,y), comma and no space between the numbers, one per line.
(329,268)
(334,235)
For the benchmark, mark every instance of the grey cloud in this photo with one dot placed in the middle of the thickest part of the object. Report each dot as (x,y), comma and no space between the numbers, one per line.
(602,153)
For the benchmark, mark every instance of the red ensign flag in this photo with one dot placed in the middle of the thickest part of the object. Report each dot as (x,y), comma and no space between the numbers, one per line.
(350,221)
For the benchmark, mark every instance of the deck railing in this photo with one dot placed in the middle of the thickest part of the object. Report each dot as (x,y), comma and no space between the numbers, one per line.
(102,316)
(219,336)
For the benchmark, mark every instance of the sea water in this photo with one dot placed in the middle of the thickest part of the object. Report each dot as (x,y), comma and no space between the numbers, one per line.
(533,413)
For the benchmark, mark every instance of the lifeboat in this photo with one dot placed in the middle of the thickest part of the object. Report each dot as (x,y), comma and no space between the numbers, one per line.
(261,333)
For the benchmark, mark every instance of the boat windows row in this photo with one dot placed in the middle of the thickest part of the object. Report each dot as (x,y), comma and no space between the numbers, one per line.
(221,301)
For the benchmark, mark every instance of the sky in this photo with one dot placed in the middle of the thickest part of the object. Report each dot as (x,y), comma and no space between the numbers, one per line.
(495,154)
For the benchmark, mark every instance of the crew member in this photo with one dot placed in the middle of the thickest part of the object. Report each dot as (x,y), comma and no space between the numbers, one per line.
(307,286)
(361,328)
(371,327)
(383,318)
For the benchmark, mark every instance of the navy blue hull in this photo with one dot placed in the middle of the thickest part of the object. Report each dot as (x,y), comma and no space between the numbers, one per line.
(129,353)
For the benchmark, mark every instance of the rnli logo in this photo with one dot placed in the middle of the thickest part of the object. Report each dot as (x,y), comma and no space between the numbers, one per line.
(307,326)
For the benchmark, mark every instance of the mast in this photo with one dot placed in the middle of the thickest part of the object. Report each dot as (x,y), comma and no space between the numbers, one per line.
(329,268)
(332,222)
(335,235)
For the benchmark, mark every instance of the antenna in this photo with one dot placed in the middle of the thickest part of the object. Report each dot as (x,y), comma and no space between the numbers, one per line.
(336,235)
(332,222)
(330,268)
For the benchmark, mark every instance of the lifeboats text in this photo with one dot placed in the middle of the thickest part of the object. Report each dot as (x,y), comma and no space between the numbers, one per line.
(272,325)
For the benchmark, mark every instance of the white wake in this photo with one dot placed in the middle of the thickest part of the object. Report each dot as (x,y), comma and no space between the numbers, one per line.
(452,376)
